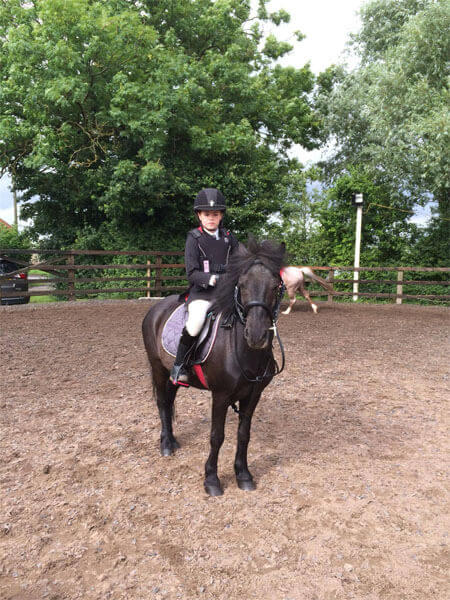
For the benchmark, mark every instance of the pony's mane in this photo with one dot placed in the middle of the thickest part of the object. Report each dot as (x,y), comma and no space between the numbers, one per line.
(269,253)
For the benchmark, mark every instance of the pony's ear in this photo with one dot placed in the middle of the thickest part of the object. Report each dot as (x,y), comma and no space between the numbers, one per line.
(270,246)
(241,249)
(252,244)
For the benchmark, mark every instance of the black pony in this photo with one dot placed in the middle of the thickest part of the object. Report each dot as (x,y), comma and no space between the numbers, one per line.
(241,363)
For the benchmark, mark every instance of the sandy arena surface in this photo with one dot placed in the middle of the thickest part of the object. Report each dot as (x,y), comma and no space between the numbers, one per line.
(349,451)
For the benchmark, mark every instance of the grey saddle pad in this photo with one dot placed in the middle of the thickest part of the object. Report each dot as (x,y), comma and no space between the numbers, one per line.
(174,326)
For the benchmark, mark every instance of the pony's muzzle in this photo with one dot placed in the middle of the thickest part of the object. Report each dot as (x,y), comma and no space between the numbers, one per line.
(256,339)
(257,325)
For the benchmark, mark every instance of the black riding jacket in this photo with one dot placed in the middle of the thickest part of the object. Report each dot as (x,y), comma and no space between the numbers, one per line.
(205,256)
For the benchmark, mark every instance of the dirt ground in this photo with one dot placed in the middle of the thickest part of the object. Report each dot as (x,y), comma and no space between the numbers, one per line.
(349,451)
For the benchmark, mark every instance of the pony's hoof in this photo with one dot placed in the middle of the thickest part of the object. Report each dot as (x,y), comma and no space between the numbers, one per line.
(248,485)
(213,490)
(170,448)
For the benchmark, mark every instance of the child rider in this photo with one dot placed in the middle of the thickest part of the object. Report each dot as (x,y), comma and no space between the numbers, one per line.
(207,250)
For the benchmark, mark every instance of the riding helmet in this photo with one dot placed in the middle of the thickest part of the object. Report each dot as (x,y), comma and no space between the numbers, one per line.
(209,199)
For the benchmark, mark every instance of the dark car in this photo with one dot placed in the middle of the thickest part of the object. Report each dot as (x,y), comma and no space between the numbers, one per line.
(16,283)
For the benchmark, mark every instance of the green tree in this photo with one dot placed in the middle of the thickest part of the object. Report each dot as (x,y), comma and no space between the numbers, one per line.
(295,223)
(390,116)
(10,237)
(115,113)
(386,233)
(382,22)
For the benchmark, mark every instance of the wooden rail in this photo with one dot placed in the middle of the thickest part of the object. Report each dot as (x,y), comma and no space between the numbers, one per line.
(71,278)
(400,282)
(68,276)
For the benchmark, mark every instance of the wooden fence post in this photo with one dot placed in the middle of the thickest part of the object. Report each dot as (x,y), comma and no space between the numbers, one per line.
(158,273)
(398,300)
(330,280)
(148,280)
(71,278)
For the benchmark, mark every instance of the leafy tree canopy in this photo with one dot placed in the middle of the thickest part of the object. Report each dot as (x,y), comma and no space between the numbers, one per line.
(387,235)
(114,113)
(390,117)
(382,24)
(392,113)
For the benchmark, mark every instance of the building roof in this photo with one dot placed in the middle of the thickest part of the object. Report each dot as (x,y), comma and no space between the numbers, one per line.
(5,224)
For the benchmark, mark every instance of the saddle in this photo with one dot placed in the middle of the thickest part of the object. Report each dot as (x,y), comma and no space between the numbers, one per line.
(172,331)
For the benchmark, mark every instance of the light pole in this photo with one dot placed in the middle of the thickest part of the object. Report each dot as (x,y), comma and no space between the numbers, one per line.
(358,201)
(16,222)
(14,195)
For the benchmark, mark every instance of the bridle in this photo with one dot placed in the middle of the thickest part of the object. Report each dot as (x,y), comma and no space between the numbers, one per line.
(242,312)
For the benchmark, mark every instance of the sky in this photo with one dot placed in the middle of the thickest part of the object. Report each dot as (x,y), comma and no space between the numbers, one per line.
(326,24)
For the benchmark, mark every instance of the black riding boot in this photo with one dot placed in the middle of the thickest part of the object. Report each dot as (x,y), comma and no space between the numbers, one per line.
(179,374)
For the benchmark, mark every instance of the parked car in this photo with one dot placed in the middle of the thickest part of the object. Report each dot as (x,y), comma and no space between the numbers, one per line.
(16,283)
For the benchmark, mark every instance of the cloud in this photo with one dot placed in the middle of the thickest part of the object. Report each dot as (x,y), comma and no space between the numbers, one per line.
(7,203)
(326,24)
(6,198)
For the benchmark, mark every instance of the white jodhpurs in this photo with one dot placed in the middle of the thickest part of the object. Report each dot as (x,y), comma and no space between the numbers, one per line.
(197,311)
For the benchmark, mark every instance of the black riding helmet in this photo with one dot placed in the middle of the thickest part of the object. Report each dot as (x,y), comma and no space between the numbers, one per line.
(210,199)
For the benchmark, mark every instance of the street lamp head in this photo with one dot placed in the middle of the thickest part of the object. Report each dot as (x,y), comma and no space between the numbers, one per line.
(357,199)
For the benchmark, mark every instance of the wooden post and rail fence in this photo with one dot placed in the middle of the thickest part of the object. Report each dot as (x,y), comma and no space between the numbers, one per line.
(71,275)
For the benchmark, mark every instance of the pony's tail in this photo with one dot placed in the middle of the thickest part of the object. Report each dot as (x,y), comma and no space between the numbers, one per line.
(309,273)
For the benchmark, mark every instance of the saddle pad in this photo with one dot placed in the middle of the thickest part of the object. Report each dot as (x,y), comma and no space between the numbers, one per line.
(174,326)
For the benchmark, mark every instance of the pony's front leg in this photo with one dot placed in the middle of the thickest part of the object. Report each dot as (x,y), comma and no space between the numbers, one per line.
(165,396)
(244,478)
(219,413)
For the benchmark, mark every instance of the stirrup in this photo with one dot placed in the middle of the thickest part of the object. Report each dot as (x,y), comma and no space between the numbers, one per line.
(179,376)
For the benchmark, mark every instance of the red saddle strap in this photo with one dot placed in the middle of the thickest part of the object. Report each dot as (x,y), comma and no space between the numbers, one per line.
(200,375)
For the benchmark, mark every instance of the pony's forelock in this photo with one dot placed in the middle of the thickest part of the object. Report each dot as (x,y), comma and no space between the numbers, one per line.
(267,252)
